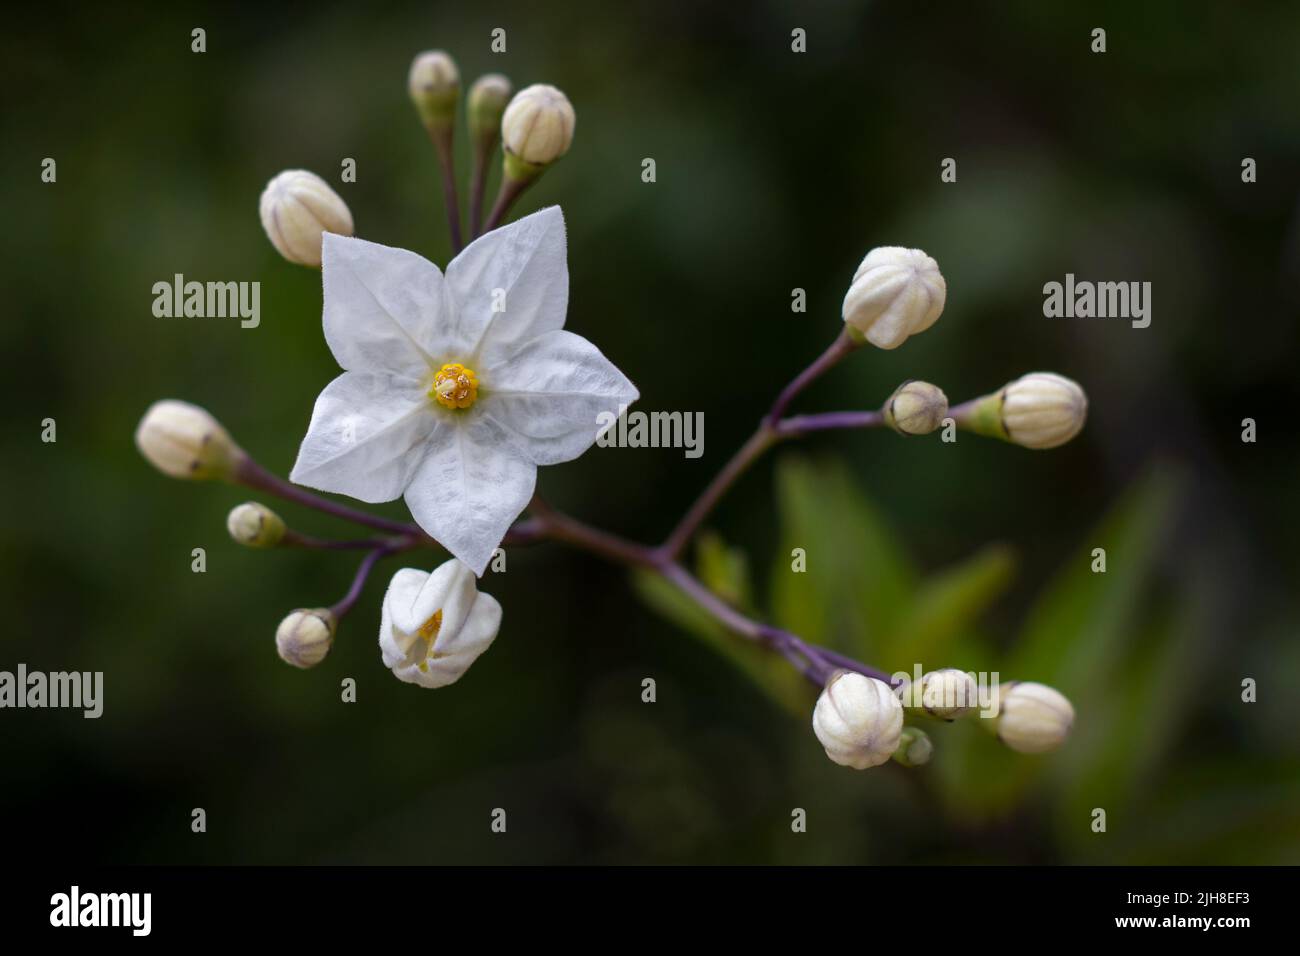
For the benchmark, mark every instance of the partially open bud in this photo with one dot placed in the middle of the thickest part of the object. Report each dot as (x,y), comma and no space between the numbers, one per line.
(916,408)
(297,209)
(434,85)
(895,293)
(858,720)
(184,441)
(304,637)
(486,103)
(1033,718)
(947,694)
(914,747)
(254,525)
(1038,410)
(536,130)
(434,626)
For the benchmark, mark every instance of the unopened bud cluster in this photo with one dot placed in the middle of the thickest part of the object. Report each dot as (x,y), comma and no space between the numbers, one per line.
(859,720)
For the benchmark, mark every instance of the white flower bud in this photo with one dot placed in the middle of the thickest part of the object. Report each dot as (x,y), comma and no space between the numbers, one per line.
(184,441)
(304,637)
(297,209)
(916,408)
(434,85)
(914,747)
(895,293)
(1033,718)
(947,694)
(1043,410)
(254,525)
(858,720)
(434,626)
(486,103)
(537,129)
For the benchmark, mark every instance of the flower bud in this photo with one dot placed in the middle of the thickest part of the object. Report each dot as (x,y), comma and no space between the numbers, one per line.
(914,747)
(536,130)
(1038,410)
(895,293)
(297,208)
(184,441)
(858,720)
(304,637)
(947,694)
(916,408)
(487,101)
(434,85)
(1043,410)
(1033,718)
(434,626)
(255,525)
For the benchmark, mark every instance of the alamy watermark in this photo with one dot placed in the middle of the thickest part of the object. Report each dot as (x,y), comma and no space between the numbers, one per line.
(78,690)
(981,693)
(209,300)
(75,908)
(1102,300)
(652,430)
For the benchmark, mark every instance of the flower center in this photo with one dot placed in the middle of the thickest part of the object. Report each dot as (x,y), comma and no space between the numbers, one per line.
(428,632)
(455,386)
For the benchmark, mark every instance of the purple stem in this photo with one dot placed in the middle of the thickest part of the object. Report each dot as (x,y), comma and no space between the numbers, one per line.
(252,475)
(806,424)
(359,580)
(442,144)
(841,347)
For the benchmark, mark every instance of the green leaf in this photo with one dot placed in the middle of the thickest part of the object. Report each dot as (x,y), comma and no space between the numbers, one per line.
(1084,620)
(857,580)
(946,605)
(724,570)
(770,672)
(1083,627)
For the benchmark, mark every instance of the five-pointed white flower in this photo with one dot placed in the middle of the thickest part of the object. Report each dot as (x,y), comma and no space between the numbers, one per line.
(455,388)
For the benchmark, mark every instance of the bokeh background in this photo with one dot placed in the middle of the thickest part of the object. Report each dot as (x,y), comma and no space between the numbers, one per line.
(775,171)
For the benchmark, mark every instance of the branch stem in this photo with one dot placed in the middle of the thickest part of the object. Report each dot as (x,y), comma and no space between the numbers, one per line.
(446,160)
(252,475)
(510,190)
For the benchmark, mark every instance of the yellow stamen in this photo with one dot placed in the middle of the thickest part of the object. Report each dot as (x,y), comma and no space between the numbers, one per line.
(454,386)
(428,632)
(429,629)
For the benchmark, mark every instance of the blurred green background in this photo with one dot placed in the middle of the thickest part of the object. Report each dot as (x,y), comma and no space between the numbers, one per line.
(775,171)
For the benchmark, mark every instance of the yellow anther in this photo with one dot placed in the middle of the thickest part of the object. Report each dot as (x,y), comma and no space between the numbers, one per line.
(455,386)
(429,629)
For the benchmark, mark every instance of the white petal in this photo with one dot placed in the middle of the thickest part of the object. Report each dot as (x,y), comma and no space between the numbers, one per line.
(471,485)
(449,589)
(395,643)
(511,285)
(386,309)
(550,395)
(366,437)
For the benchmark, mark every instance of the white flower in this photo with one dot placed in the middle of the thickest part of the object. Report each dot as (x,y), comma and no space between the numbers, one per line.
(896,292)
(297,208)
(435,625)
(1033,718)
(858,719)
(456,387)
